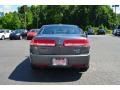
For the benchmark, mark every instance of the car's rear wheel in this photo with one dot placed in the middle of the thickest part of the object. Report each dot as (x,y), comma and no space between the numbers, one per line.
(33,67)
(11,39)
(83,69)
(3,37)
(27,38)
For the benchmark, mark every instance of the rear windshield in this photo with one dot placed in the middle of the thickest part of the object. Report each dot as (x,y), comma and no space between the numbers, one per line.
(60,30)
(17,31)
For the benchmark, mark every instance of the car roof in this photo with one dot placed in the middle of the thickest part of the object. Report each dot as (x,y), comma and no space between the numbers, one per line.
(60,25)
(20,29)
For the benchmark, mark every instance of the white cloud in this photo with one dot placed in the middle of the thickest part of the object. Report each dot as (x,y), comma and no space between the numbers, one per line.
(8,8)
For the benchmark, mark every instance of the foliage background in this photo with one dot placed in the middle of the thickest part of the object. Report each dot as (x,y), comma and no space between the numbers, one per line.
(82,15)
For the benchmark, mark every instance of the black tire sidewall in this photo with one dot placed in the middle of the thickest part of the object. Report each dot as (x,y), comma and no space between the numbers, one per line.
(3,37)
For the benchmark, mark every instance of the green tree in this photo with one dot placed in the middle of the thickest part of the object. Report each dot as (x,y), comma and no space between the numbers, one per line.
(37,15)
(15,21)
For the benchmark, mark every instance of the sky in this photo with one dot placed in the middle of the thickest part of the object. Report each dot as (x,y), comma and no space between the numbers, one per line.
(8,8)
(12,8)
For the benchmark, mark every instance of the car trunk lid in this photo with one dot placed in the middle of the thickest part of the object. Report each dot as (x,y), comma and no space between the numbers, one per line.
(60,45)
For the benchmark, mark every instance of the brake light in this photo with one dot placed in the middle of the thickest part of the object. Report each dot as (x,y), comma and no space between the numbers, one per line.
(42,42)
(78,42)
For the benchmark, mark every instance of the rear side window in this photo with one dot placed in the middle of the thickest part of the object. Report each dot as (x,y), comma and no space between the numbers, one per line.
(1,31)
(61,30)
(17,31)
(7,31)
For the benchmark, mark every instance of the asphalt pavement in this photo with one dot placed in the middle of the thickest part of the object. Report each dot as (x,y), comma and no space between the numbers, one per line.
(104,65)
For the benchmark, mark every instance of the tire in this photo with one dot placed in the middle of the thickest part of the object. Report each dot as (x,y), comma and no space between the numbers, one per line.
(27,38)
(33,67)
(11,39)
(21,37)
(3,37)
(82,69)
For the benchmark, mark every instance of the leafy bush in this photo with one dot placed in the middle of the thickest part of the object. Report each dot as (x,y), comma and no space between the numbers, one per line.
(0,26)
(109,31)
(88,27)
(95,29)
(101,26)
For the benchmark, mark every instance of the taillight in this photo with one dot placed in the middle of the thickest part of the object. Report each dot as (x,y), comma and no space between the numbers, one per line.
(42,42)
(77,42)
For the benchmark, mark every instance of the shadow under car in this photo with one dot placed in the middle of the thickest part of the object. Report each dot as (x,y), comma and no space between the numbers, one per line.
(23,72)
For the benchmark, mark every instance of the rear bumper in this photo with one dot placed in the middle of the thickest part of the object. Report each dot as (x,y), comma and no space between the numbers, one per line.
(79,61)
